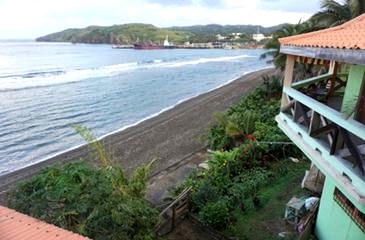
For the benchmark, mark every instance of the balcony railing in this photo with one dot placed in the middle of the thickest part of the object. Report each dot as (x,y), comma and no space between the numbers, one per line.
(343,136)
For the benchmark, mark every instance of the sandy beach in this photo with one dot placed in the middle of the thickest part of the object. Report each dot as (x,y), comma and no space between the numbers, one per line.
(169,137)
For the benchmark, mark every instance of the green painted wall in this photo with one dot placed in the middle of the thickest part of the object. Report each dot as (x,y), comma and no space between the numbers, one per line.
(353,88)
(332,222)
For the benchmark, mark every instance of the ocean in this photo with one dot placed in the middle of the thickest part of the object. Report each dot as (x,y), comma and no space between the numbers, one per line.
(45,88)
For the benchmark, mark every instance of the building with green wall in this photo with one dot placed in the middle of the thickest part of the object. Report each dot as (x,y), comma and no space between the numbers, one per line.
(324,116)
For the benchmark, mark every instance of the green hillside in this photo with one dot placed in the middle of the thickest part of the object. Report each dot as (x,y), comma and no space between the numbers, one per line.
(213,29)
(130,33)
(123,34)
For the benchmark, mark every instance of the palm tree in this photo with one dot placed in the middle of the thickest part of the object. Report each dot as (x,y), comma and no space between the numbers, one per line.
(334,13)
(273,45)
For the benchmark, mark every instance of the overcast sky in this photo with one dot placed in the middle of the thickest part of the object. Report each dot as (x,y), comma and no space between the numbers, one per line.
(33,18)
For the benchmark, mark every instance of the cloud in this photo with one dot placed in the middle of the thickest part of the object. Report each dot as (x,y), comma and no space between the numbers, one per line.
(291,6)
(30,19)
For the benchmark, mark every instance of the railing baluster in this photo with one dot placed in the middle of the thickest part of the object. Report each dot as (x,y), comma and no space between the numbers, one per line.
(334,144)
(288,106)
(353,149)
(325,123)
(296,111)
(314,123)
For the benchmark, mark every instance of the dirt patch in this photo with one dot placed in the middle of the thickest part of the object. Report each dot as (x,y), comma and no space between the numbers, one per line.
(187,230)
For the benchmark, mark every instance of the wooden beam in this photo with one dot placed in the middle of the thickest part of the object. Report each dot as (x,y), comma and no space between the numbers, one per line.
(304,114)
(325,123)
(334,144)
(315,123)
(333,80)
(346,152)
(309,81)
(296,114)
(353,150)
(326,129)
(288,106)
(288,75)
(354,56)
(332,67)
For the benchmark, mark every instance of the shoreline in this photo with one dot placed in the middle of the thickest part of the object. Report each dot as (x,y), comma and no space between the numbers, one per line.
(171,125)
(119,130)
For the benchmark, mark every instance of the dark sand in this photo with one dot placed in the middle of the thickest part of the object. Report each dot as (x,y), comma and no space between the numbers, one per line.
(170,137)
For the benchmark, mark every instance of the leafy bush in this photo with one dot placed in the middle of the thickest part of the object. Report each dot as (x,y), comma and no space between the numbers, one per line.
(215,214)
(249,155)
(98,202)
(205,193)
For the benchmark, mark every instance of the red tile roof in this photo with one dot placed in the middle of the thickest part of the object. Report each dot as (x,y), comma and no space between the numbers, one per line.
(350,35)
(17,226)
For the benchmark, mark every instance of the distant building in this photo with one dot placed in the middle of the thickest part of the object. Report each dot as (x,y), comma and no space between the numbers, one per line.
(236,35)
(258,37)
(166,42)
(220,37)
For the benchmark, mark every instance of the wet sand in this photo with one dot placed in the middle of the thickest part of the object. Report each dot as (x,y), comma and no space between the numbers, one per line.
(170,137)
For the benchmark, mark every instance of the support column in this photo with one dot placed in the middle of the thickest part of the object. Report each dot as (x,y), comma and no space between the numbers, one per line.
(333,71)
(333,66)
(353,90)
(288,76)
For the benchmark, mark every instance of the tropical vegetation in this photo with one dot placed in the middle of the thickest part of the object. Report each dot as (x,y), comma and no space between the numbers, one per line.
(249,153)
(334,13)
(97,202)
(117,34)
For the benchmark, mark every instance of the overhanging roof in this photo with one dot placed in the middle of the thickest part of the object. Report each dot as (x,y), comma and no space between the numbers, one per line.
(339,55)
(344,43)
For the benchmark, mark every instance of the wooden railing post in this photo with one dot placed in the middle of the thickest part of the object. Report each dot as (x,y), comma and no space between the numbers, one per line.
(288,76)
(173,217)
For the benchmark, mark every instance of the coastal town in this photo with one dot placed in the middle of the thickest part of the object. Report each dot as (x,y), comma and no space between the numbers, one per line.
(228,42)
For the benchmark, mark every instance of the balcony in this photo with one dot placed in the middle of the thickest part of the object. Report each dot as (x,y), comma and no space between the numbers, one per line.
(316,117)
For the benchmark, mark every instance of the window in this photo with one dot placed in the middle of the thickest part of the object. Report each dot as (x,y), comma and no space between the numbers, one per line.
(357,216)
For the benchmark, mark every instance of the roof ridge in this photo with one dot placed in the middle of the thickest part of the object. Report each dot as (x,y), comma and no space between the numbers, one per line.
(340,36)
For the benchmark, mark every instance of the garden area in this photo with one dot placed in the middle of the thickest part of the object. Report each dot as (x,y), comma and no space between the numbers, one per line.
(240,192)
(250,174)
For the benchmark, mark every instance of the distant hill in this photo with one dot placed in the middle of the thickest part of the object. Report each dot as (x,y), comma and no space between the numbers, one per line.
(130,33)
(227,29)
(126,34)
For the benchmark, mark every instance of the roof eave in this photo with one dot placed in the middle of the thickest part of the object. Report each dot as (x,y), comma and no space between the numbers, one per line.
(340,55)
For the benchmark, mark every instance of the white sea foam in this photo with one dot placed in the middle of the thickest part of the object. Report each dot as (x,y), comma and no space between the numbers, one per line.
(54,78)
(46,79)
(5,171)
(205,60)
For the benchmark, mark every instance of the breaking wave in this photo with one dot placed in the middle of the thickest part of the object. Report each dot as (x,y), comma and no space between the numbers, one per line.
(44,78)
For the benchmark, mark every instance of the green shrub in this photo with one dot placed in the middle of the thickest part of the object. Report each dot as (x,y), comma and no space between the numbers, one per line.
(249,155)
(96,202)
(218,139)
(215,214)
(204,193)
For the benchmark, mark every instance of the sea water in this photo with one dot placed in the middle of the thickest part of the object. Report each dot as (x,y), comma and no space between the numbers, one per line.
(45,88)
